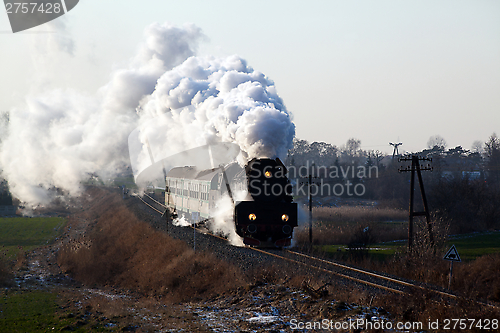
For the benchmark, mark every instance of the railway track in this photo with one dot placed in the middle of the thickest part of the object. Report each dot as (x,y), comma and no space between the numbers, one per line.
(152,203)
(360,276)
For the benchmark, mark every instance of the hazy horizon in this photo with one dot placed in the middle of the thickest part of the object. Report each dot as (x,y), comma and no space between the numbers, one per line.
(380,72)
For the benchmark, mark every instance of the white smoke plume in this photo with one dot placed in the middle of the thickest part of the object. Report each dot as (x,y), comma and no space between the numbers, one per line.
(181,222)
(206,100)
(56,139)
(223,219)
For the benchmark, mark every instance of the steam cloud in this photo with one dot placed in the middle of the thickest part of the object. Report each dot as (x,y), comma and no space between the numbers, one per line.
(58,138)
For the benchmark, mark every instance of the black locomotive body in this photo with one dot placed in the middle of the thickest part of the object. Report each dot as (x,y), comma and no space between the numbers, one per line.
(266,217)
(269,217)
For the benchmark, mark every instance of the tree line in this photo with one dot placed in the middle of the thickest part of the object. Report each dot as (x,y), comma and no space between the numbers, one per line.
(464,186)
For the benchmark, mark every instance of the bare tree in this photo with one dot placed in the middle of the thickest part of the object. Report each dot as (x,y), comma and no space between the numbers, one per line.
(477,147)
(492,151)
(352,146)
(436,141)
(492,146)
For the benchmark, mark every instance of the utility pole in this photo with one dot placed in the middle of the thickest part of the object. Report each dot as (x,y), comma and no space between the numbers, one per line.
(416,167)
(310,206)
(309,185)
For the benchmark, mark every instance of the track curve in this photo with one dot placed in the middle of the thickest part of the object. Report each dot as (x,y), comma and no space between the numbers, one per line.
(361,277)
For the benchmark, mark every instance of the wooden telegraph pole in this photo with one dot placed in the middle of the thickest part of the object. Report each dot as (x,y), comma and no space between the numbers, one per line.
(310,208)
(416,167)
(309,193)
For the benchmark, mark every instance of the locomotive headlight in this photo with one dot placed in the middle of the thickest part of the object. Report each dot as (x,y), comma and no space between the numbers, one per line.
(252,228)
(284,217)
(252,217)
(268,174)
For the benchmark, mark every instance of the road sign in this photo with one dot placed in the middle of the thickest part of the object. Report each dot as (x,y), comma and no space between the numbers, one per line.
(452,254)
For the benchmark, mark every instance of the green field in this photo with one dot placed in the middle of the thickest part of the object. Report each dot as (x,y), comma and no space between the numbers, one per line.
(28,233)
(40,311)
(33,310)
(469,246)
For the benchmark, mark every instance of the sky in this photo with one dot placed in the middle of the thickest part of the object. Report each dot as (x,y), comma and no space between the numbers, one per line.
(379,71)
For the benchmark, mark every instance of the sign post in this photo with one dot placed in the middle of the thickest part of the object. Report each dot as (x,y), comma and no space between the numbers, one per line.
(452,255)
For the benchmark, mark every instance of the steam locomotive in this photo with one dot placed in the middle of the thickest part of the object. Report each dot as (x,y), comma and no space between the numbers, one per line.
(265,217)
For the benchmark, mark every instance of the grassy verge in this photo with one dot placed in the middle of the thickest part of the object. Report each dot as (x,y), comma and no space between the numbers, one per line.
(469,247)
(40,311)
(472,246)
(20,235)
(28,233)
(30,310)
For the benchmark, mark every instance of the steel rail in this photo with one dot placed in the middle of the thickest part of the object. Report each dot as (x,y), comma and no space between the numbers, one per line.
(362,271)
(379,286)
(159,203)
(150,205)
(332,272)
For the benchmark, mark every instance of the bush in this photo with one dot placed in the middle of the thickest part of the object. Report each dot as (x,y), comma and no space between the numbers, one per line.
(361,238)
(123,251)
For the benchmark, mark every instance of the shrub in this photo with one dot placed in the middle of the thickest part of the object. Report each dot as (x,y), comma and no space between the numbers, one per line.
(122,251)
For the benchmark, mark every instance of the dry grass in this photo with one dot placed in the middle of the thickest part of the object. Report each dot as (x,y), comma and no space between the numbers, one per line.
(358,214)
(476,280)
(354,225)
(422,307)
(21,261)
(123,251)
(479,278)
(6,276)
(8,267)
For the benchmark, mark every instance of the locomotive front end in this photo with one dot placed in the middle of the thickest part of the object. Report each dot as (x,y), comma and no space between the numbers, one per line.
(269,218)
